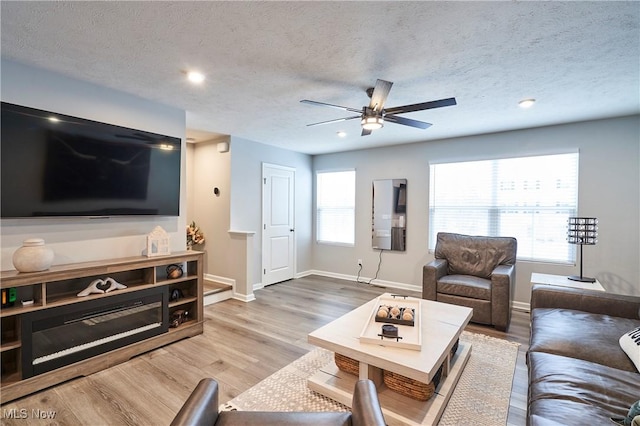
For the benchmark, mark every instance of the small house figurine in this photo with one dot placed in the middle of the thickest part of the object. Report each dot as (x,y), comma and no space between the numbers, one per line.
(158,242)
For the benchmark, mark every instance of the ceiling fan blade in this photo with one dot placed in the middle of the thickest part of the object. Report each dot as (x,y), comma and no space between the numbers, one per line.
(316,103)
(365,132)
(422,106)
(407,121)
(337,120)
(379,95)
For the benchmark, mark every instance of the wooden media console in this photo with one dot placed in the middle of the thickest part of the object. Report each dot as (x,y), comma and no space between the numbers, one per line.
(54,297)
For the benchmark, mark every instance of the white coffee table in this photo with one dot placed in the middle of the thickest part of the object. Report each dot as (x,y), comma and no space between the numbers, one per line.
(441,326)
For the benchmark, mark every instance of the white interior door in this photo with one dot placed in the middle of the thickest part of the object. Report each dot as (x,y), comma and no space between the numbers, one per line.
(278,231)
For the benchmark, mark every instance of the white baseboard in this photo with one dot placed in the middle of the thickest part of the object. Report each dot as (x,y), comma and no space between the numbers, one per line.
(231,294)
(219,279)
(521,306)
(363,280)
(244,297)
(304,274)
(210,299)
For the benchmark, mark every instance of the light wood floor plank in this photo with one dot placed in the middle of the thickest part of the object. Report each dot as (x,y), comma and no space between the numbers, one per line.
(94,402)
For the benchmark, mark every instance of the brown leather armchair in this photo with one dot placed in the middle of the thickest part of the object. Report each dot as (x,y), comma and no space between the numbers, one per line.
(474,271)
(201,408)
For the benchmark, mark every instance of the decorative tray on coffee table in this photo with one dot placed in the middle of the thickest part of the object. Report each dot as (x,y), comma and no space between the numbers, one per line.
(394,321)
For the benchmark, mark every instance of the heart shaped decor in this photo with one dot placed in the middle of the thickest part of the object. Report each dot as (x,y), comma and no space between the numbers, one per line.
(101,285)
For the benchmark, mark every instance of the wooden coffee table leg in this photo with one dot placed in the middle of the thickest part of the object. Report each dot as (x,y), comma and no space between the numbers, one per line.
(370,372)
(446,366)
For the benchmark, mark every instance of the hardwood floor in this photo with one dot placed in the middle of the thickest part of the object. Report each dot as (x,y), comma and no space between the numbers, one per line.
(243,343)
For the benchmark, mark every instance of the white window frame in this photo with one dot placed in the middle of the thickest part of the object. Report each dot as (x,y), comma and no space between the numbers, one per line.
(348,206)
(485,213)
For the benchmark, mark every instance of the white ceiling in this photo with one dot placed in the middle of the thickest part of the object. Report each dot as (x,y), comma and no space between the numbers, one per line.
(580,60)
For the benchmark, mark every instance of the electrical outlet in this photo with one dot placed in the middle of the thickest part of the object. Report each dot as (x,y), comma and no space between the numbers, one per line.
(359,262)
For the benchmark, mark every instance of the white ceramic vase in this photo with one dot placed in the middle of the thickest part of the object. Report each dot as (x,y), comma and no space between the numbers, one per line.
(33,256)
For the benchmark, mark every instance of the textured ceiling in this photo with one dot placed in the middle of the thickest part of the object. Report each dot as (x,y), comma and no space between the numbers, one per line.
(580,60)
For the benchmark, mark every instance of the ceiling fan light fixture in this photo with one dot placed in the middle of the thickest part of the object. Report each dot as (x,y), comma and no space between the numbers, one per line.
(372,122)
(372,117)
(526,103)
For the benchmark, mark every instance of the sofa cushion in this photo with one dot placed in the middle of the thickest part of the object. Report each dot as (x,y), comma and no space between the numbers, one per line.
(474,255)
(465,286)
(481,308)
(630,344)
(582,335)
(564,390)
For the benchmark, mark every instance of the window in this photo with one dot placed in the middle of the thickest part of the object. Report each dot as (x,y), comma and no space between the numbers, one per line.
(335,207)
(529,198)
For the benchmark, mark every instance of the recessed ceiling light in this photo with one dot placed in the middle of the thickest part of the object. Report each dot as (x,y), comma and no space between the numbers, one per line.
(54,119)
(191,139)
(195,77)
(526,103)
(341,134)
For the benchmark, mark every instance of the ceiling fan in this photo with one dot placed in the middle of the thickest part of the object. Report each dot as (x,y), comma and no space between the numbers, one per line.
(372,117)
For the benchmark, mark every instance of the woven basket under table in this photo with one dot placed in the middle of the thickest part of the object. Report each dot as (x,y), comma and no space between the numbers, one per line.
(346,364)
(397,382)
(410,387)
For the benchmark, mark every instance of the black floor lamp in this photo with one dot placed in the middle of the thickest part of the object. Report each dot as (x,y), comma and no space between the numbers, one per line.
(582,231)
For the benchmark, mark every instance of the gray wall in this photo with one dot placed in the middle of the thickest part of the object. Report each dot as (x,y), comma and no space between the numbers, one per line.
(609,189)
(247,158)
(79,239)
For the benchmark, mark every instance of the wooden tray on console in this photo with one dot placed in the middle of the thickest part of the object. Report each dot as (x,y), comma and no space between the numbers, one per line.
(411,337)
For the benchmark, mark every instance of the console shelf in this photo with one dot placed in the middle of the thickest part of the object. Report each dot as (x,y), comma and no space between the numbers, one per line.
(60,285)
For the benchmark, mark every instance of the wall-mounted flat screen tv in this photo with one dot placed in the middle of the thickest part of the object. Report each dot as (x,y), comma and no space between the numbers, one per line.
(58,165)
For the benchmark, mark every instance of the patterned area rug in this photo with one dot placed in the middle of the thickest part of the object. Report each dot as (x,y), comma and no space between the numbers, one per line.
(480,398)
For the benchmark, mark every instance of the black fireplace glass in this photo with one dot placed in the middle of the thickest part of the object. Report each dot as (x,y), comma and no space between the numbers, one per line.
(63,335)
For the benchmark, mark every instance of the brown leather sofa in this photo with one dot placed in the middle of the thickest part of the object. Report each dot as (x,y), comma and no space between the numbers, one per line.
(201,408)
(476,272)
(578,373)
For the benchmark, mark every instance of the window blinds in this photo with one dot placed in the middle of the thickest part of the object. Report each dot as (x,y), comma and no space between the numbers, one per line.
(335,207)
(529,198)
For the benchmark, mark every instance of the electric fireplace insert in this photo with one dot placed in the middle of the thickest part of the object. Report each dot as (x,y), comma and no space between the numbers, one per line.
(59,336)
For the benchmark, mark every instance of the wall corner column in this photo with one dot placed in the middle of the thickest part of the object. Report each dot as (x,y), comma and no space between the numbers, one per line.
(241,263)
